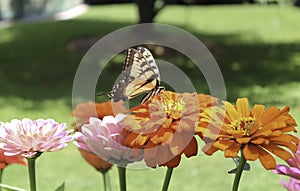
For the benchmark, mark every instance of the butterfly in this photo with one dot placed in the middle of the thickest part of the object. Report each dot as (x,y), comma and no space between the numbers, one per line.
(140,75)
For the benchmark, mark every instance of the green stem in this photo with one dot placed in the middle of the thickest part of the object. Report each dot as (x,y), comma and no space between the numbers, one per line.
(167,179)
(1,175)
(239,172)
(108,182)
(105,185)
(122,178)
(31,170)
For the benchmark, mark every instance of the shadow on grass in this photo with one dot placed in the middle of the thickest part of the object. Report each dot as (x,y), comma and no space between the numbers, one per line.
(35,61)
(36,64)
(259,64)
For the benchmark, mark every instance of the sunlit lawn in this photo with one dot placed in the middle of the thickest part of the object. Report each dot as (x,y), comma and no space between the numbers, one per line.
(257,49)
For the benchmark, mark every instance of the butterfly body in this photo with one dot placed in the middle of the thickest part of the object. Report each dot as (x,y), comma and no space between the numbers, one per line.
(140,75)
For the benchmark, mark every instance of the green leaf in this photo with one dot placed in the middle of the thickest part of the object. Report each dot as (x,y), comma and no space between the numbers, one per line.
(61,187)
(11,188)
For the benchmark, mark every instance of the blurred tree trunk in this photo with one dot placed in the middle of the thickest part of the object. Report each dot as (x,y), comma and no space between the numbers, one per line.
(0,13)
(148,10)
(297,3)
(17,7)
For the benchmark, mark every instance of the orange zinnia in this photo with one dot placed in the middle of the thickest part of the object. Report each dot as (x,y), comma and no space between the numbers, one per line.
(82,114)
(6,160)
(84,111)
(164,127)
(97,162)
(256,132)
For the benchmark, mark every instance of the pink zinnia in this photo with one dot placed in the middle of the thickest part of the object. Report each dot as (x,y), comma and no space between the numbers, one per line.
(31,137)
(293,171)
(105,139)
(291,185)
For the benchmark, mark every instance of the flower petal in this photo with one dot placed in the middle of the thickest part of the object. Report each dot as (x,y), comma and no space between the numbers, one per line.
(231,112)
(191,149)
(242,107)
(266,159)
(232,151)
(251,152)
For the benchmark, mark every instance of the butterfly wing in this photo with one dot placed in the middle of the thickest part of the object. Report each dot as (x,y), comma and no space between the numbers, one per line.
(150,61)
(145,71)
(140,75)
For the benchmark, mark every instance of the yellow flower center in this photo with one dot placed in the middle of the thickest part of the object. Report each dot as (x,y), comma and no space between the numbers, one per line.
(173,108)
(243,125)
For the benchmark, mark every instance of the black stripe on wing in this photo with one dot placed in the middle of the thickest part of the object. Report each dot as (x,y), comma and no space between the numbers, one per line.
(140,75)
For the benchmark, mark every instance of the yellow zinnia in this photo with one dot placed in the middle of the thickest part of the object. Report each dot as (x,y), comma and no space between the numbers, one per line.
(257,132)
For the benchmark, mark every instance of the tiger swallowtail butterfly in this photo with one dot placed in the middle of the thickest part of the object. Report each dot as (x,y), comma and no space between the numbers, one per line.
(140,75)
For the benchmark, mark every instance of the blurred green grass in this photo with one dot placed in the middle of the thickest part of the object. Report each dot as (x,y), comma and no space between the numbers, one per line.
(256,47)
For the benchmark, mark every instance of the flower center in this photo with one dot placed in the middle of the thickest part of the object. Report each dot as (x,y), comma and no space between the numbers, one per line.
(243,125)
(173,108)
